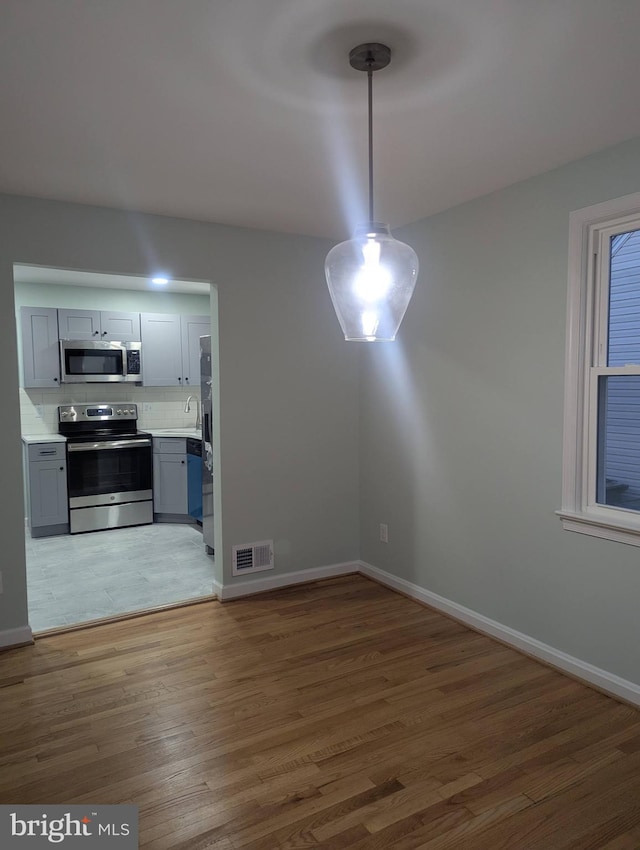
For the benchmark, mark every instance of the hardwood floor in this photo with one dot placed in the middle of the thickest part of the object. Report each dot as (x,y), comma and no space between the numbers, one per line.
(333,715)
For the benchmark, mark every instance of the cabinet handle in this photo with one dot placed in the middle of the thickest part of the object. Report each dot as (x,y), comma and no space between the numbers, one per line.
(104,333)
(95,333)
(181,461)
(56,380)
(62,469)
(187,380)
(179,379)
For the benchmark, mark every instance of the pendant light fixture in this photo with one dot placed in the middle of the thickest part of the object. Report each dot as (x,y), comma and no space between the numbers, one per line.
(371,277)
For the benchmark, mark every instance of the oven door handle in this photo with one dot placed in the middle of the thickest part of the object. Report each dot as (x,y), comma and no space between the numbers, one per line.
(108,444)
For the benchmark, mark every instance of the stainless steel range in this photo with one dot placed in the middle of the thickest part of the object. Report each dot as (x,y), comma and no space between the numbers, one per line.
(109,466)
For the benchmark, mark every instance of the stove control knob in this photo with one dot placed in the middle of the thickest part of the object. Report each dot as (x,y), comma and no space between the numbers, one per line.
(64,413)
(118,412)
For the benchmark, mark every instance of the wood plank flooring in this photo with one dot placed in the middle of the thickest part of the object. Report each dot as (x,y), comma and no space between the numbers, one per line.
(333,715)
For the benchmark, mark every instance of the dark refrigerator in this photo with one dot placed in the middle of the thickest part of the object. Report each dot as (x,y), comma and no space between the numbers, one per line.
(207,442)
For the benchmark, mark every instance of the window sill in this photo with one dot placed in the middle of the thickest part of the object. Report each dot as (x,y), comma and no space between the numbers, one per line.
(604,524)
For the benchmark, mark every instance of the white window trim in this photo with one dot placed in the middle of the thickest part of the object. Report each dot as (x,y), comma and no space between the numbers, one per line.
(579,512)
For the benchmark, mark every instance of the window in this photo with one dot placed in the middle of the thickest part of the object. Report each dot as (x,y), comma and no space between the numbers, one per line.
(601,472)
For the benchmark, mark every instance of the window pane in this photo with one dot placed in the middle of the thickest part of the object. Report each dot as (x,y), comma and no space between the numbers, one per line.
(619,442)
(624,299)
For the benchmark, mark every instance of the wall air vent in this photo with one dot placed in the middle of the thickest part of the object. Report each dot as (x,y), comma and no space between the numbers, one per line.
(253,557)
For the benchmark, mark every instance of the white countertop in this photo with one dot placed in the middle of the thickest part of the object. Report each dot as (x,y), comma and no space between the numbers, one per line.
(28,439)
(174,432)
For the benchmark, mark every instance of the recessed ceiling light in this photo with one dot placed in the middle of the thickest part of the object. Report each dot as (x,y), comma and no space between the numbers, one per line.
(160,280)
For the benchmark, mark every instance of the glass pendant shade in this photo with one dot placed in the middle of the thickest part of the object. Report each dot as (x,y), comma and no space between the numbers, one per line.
(371,279)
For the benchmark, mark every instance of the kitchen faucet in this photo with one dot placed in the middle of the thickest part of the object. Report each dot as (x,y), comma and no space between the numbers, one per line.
(187,408)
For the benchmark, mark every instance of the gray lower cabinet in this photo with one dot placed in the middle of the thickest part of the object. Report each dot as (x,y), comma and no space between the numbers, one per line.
(40,355)
(47,501)
(170,494)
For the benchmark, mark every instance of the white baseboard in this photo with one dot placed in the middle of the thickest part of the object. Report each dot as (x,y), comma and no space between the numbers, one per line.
(248,587)
(602,679)
(16,637)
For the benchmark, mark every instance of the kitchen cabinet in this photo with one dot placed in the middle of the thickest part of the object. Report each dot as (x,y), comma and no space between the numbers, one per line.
(170,492)
(171,349)
(99,324)
(47,501)
(40,357)
(192,328)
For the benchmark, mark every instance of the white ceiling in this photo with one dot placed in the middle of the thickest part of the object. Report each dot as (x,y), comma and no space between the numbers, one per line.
(246,111)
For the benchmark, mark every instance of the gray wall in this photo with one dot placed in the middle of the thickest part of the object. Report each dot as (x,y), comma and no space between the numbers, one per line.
(461,423)
(288,386)
(95,298)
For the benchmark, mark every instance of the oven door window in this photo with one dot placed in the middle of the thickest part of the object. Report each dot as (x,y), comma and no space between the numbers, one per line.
(122,470)
(84,361)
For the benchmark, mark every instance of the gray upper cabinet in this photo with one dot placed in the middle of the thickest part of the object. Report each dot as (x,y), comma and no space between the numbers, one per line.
(99,324)
(171,349)
(192,327)
(79,324)
(40,358)
(161,350)
(124,327)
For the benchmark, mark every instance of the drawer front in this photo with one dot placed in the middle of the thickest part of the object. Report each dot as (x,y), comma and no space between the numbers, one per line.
(111,516)
(169,445)
(47,451)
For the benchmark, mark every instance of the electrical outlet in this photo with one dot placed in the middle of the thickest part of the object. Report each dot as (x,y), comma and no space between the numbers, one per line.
(146,407)
(40,411)
(384,532)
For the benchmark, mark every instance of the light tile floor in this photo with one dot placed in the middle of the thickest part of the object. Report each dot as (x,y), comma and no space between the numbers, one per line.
(80,577)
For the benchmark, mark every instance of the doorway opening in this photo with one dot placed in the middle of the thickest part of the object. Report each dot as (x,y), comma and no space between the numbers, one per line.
(80,572)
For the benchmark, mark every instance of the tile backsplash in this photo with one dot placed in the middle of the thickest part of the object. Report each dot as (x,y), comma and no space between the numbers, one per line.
(158,407)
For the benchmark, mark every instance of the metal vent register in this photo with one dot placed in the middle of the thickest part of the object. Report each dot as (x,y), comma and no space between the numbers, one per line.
(253,557)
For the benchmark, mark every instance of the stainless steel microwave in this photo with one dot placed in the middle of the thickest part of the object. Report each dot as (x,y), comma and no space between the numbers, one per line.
(99,362)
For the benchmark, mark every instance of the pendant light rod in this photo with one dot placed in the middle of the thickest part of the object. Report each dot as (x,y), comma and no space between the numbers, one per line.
(370,57)
(371,277)
(370,82)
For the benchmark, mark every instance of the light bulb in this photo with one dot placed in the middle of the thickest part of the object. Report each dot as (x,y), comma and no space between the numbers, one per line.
(372,282)
(371,279)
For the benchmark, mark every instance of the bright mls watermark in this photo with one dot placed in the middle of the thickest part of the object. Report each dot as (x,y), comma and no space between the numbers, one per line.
(102,827)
